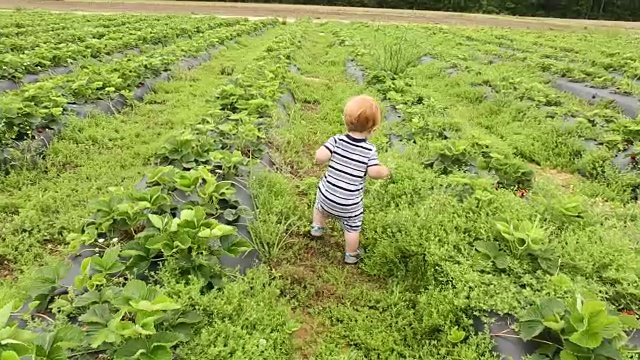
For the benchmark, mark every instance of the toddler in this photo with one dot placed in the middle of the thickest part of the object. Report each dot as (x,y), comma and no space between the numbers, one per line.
(351,158)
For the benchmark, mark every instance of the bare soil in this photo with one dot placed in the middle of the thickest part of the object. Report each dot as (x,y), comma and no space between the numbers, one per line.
(315,12)
(6,270)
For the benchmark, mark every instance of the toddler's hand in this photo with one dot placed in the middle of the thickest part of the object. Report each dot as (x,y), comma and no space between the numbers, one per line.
(387,172)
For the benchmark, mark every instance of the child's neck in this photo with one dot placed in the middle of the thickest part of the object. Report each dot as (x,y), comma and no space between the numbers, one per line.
(359,135)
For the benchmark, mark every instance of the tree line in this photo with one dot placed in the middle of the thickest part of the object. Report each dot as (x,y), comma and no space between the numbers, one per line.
(628,10)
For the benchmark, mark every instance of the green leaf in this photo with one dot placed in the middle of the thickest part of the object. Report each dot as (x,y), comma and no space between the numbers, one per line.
(627,320)
(68,337)
(537,356)
(182,241)
(235,246)
(84,266)
(156,220)
(554,325)
(561,280)
(165,338)
(109,262)
(549,264)
(5,314)
(161,303)
(157,242)
(587,339)
(455,335)
(135,289)
(131,349)
(155,347)
(607,350)
(222,230)
(547,349)
(9,355)
(551,308)
(110,256)
(609,326)
(501,260)
(105,335)
(159,352)
(100,314)
(566,355)
(88,298)
(530,329)
(487,247)
(189,318)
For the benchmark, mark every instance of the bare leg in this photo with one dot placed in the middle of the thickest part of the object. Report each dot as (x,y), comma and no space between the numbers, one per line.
(319,218)
(351,242)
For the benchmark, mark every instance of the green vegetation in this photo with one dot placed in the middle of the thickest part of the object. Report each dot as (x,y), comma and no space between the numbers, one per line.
(496,204)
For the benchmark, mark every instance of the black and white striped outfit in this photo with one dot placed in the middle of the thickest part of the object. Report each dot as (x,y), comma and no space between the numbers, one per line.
(341,188)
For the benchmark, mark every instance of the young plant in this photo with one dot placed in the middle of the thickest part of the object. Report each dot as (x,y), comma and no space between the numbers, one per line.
(14,342)
(526,239)
(450,156)
(489,253)
(136,321)
(186,151)
(585,327)
(511,173)
(56,344)
(46,281)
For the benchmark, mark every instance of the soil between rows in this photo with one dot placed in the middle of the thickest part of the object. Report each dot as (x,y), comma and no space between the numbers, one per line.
(316,12)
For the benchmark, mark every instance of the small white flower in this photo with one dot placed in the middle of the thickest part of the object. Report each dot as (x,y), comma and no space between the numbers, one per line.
(115,240)
(262,342)
(100,241)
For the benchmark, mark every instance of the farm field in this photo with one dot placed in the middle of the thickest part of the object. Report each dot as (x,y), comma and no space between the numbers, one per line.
(172,149)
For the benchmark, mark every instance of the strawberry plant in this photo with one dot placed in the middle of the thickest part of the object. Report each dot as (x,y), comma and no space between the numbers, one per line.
(489,253)
(186,151)
(45,282)
(585,327)
(450,156)
(511,173)
(14,342)
(136,319)
(525,239)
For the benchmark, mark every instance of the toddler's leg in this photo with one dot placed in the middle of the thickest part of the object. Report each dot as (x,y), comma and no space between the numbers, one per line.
(319,223)
(352,249)
(351,242)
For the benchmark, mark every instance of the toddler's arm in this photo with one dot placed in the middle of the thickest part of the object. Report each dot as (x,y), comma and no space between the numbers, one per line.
(323,154)
(375,170)
(378,172)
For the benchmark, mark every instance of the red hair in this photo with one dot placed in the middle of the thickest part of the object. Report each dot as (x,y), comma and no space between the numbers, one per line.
(362,114)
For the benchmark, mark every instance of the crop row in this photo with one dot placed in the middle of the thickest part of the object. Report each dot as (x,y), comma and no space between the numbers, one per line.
(15,65)
(551,128)
(183,217)
(33,23)
(44,105)
(590,59)
(76,30)
(508,247)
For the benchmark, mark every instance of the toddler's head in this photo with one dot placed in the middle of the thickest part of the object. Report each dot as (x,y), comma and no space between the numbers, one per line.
(362,114)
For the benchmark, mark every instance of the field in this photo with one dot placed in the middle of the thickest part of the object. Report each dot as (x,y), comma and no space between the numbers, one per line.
(158,182)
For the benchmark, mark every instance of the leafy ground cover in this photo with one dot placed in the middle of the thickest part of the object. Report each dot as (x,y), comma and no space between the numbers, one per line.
(496,204)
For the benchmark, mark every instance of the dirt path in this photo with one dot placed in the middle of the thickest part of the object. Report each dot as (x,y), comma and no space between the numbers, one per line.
(316,12)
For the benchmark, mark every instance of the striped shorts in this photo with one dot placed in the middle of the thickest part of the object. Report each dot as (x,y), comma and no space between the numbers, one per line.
(350,224)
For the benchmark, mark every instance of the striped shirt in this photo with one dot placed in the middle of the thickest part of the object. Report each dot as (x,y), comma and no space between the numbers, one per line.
(341,188)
